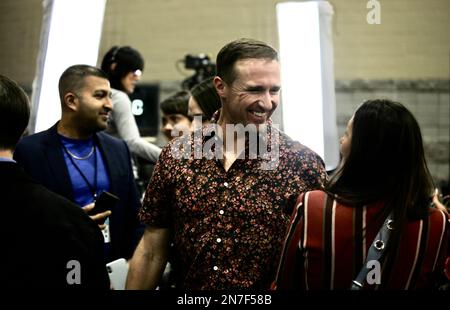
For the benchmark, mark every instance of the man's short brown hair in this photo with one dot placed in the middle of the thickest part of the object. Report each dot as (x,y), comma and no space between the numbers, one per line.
(238,50)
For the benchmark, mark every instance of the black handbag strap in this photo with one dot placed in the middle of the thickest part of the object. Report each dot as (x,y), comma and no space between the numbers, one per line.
(376,252)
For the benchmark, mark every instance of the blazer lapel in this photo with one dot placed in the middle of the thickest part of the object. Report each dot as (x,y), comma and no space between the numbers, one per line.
(107,152)
(55,157)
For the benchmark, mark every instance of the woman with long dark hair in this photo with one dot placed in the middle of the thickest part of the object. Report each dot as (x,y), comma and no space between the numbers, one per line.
(383,173)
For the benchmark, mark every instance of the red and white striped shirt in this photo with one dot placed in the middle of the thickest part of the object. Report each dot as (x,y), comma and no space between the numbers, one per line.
(327,243)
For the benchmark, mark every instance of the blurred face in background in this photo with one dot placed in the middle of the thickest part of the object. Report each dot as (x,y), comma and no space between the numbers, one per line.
(175,125)
(346,140)
(196,113)
(130,80)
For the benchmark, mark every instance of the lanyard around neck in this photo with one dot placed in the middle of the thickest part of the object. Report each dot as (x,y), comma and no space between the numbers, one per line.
(92,188)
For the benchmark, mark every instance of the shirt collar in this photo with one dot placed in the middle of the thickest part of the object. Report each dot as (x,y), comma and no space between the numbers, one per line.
(207,134)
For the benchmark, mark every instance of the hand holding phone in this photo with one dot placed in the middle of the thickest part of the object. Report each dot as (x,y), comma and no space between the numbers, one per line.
(105,202)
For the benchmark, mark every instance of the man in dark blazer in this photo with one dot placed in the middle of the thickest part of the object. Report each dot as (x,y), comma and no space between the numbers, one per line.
(47,241)
(74,159)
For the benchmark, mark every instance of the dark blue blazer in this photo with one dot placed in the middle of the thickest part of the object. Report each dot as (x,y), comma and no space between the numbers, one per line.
(42,157)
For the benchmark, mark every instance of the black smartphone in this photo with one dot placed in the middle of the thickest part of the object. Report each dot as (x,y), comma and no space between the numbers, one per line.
(104,202)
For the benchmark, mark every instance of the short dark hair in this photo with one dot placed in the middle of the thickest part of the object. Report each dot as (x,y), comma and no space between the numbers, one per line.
(72,79)
(176,104)
(14,113)
(207,98)
(238,50)
(386,161)
(127,60)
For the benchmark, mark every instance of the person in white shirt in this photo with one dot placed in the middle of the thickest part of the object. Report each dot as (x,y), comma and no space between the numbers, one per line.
(124,66)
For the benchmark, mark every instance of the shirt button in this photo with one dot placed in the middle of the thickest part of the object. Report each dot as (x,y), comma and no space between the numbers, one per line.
(216,268)
(225,184)
(221,212)
(219,240)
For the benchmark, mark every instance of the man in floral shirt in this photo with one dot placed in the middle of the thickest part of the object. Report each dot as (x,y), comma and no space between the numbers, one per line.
(222,194)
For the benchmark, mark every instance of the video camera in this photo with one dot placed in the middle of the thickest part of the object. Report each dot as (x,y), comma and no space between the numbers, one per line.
(203,67)
(196,61)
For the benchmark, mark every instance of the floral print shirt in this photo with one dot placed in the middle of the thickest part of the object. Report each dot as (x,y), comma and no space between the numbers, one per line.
(228,226)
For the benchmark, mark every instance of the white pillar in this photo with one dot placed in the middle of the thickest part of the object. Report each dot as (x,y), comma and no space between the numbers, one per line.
(307,77)
(71,32)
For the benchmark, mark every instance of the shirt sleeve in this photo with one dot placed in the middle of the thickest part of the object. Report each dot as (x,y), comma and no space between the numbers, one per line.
(157,202)
(312,167)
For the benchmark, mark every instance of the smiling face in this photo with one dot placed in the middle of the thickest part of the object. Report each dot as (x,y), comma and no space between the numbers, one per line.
(93,103)
(253,95)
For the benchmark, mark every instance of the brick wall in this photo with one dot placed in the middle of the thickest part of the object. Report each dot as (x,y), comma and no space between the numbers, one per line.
(428,100)
(20,28)
(412,41)
(397,59)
